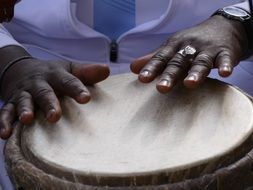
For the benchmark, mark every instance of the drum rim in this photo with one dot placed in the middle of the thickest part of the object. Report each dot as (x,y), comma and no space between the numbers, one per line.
(206,160)
(64,169)
(221,178)
(188,166)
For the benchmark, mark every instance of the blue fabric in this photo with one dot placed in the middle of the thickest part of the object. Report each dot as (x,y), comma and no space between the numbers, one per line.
(114,17)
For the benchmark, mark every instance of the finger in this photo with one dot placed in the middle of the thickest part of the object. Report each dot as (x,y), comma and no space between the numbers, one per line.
(46,99)
(175,70)
(67,84)
(200,69)
(157,64)
(25,108)
(90,74)
(138,64)
(7,118)
(225,63)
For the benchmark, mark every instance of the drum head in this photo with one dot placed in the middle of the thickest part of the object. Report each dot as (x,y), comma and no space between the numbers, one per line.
(130,131)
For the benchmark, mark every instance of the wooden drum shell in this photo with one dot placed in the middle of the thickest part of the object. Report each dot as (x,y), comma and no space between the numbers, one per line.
(235,176)
(232,171)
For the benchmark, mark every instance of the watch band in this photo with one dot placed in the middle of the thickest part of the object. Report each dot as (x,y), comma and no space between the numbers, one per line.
(247,23)
(250,6)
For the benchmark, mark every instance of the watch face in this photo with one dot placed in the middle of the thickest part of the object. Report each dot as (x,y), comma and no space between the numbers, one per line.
(234,11)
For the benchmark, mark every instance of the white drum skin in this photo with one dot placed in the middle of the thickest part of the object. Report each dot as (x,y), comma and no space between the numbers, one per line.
(129,134)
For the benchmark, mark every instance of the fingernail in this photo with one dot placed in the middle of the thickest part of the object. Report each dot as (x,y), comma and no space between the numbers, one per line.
(84,94)
(164,83)
(146,73)
(164,86)
(2,131)
(26,117)
(22,115)
(84,97)
(192,78)
(51,113)
(226,69)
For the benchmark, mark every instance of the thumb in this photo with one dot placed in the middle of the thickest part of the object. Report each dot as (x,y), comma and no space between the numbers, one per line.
(90,74)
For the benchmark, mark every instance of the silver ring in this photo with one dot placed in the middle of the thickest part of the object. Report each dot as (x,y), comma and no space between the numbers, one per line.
(188,52)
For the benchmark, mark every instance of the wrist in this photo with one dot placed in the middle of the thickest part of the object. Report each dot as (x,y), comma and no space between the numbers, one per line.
(241,21)
(10,53)
(10,56)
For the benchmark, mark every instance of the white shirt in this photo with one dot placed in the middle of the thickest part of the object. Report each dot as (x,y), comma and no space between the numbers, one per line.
(57,30)
(155,9)
(63,29)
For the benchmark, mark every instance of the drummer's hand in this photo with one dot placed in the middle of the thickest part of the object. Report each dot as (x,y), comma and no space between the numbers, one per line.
(7,10)
(220,43)
(35,84)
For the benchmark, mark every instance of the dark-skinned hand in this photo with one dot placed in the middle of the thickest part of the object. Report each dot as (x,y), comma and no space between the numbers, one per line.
(7,10)
(33,84)
(220,43)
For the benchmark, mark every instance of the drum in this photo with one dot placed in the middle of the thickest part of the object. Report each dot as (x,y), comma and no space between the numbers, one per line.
(131,137)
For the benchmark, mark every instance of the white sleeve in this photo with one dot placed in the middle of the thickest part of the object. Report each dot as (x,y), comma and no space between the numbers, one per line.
(6,38)
(244,5)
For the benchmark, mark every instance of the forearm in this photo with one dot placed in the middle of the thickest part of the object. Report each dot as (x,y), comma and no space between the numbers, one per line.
(245,5)
(10,49)
(11,53)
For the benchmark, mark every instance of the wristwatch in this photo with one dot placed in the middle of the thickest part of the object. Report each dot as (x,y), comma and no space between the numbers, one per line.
(234,13)
(241,15)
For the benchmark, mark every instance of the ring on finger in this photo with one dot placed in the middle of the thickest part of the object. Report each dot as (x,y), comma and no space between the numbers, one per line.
(188,52)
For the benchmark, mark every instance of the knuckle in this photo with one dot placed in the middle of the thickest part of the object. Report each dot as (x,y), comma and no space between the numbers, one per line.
(225,53)
(226,58)
(171,73)
(155,66)
(23,97)
(42,92)
(199,72)
(160,57)
(177,61)
(204,60)
(8,108)
(5,109)
(68,81)
(33,76)
(163,55)
(169,76)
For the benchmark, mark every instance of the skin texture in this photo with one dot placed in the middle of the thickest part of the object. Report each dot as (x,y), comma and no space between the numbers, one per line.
(7,10)
(33,84)
(220,43)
